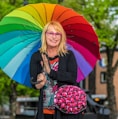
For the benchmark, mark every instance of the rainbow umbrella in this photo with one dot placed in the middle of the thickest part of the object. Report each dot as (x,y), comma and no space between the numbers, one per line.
(20,36)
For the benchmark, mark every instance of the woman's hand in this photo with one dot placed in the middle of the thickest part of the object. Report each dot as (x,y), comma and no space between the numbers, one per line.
(41,78)
(45,64)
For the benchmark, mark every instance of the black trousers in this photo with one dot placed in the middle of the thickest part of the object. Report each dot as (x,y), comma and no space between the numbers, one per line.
(64,116)
(48,116)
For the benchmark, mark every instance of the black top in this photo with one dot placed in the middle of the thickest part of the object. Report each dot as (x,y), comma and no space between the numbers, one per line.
(66,74)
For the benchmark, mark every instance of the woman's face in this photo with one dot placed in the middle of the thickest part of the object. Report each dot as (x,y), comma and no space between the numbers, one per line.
(53,37)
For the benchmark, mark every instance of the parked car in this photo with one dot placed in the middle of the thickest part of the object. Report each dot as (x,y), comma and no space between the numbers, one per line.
(95,110)
(100,99)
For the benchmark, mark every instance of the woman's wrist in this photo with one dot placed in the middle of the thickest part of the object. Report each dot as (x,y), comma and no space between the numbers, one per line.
(43,73)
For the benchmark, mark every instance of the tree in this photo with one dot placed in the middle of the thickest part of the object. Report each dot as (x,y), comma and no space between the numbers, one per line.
(3,92)
(102,14)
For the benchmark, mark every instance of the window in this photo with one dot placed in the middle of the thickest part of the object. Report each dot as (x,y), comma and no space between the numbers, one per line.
(103,77)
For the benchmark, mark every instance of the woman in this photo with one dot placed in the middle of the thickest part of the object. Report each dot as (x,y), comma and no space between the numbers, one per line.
(53,64)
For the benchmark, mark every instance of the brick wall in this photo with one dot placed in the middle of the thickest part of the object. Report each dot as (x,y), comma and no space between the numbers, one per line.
(101,87)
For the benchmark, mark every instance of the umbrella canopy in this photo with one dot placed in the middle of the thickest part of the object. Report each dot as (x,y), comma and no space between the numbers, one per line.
(20,36)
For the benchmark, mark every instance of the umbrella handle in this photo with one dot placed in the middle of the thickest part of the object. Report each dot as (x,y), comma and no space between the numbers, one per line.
(34,82)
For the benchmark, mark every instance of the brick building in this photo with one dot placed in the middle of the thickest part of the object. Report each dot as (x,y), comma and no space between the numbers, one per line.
(99,80)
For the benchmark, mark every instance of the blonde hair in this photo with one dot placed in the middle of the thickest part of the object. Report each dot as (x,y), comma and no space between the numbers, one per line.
(62,46)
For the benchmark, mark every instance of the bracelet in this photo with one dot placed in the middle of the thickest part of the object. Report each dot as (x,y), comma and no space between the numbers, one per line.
(44,73)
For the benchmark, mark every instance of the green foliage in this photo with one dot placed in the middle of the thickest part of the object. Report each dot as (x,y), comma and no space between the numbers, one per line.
(41,1)
(5,8)
(106,37)
(4,87)
(23,90)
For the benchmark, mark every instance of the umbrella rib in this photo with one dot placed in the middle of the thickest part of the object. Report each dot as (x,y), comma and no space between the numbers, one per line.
(71,32)
(23,40)
(73,20)
(91,49)
(31,16)
(45,12)
(38,14)
(53,12)
(62,13)
(69,35)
